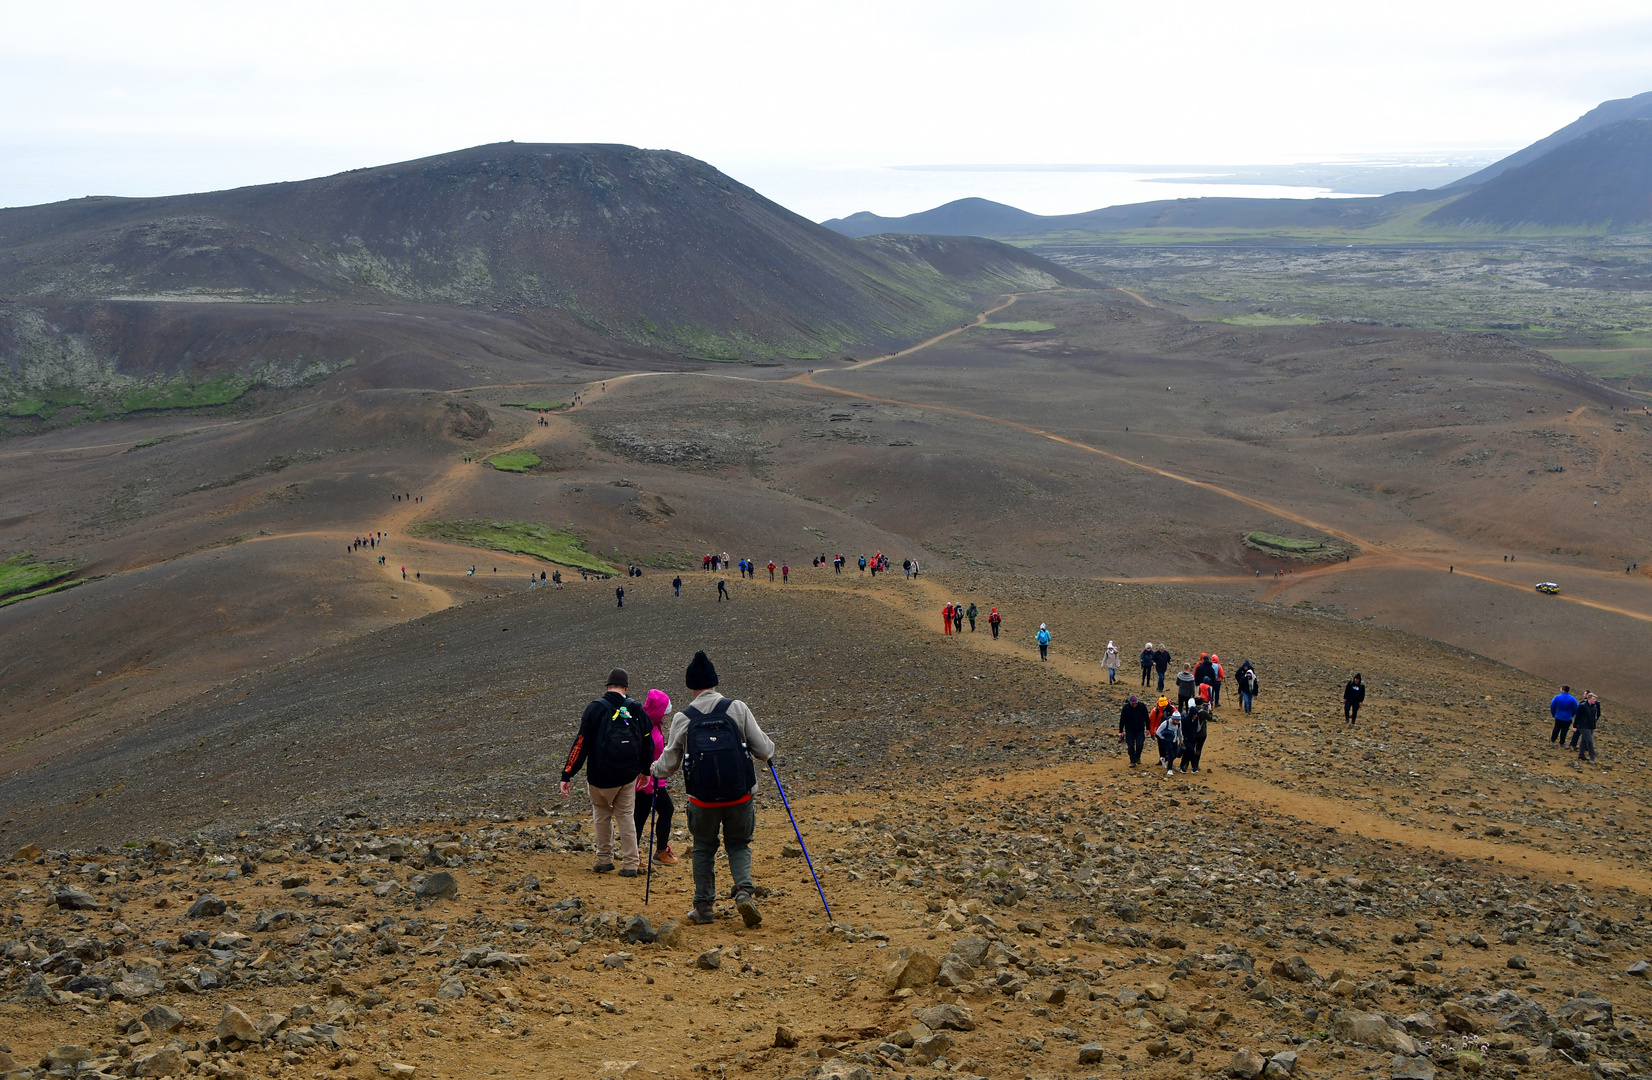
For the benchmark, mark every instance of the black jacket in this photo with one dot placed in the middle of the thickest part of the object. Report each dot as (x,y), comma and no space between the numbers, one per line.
(1248,682)
(596,714)
(1205,672)
(1133,718)
(1354,692)
(1147,658)
(1587,716)
(1161,658)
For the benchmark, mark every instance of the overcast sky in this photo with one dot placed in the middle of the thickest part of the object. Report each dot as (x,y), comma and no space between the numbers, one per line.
(159,97)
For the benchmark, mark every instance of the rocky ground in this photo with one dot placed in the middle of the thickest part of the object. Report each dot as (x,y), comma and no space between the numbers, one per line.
(1435,891)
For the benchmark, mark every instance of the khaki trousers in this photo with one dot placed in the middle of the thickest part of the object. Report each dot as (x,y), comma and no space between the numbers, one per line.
(606,805)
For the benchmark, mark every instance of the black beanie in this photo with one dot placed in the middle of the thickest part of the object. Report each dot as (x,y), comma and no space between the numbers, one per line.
(701,675)
(619,677)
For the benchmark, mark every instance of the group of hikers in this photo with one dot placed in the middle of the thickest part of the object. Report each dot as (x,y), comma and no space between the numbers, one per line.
(953,615)
(1581,715)
(1179,729)
(629,756)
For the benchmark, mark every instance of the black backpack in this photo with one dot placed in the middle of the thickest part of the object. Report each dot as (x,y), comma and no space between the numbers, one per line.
(617,747)
(716,765)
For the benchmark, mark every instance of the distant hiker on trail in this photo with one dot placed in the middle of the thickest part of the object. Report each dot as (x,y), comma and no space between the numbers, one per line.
(614,747)
(785,573)
(619,595)
(906,568)
(1249,685)
(1216,684)
(1169,736)
(1133,727)
(556,578)
(653,794)
(1586,703)
(995,620)
(677,585)
(946,618)
(1161,663)
(863,564)
(914,567)
(970,613)
(714,741)
(1588,718)
(771,569)
(957,617)
(1352,696)
(1185,686)
(1110,661)
(1563,707)
(1043,636)
(1147,663)
(722,590)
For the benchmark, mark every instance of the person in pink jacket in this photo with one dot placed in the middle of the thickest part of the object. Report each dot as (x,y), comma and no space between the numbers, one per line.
(653,794)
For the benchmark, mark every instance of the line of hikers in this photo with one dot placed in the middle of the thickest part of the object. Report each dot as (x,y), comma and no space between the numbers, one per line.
(1582,716)
(629,758)
(953,615)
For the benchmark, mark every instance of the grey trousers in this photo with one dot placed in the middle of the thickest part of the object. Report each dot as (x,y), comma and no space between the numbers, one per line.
(737,823)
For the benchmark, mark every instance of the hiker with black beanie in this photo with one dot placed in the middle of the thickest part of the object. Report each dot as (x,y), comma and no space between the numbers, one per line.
(1133,726)
(715,741)
(615,748)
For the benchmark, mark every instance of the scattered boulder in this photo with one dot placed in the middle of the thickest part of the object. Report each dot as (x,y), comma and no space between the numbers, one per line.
(235,1024)
(1370,1029)
(438,886)
(27,853)
(1640,969)
(206,905)
(451,988)
(1406,1067)
(1247,1064)
(75,900)
(1518,963)
(1586,1011)
(670,934)
(1295,969)
(164,1062)
(1262,991)
(1092,1054)
(1281,1065)
(67,1057)
(930,1047)
(639,931)
(948,1017)
(783,1038)
(710,960)
(972,950)
(915,969)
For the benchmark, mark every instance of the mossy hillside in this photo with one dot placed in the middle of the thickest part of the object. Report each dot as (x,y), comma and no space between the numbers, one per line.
(23,576)
(519,538)
(517,461)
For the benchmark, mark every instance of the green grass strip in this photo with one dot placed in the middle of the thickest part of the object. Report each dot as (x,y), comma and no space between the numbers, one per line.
(518,538)
(514,461)
(22,576)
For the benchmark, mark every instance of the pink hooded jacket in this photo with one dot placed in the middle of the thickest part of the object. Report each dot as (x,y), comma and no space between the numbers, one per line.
(655,705)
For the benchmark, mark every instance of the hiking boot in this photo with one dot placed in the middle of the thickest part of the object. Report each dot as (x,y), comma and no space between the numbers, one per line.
(666,856)
(701,915)
(747,907)
(628,872)
(602,868)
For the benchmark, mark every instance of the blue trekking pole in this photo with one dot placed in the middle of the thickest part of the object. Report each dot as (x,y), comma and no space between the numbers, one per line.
(804,847)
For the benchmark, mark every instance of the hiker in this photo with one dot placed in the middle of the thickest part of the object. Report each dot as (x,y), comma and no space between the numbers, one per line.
(971,614)
(1161,663)
(653,795)
(619,595)
(1133,728)
(1043,636)
(676,589)
(994,620)
(1158,715)
(1583,705)
(946,618)
(771,569)
(863,564)
(614,748)
(722,590)
(1204,671)
(1563,707)
(1185,687)
(1249,685)
(1195,726)
(1352,695)
(715,741)
(957,617)
(556,578)
(1216,683)
(1110,661)
(1147,663)
(1588,718)
(906,568)
(1169,736)
(785,573)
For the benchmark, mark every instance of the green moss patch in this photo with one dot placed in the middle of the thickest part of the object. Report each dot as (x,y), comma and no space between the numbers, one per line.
(1290,547)
(536,406)
(1026,326)
(23,576)
(518,538)
(514,461)
(184,394)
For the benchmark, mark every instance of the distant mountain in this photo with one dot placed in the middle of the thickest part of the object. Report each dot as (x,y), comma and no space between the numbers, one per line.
(1602,178)
(649,247)
(1598,181)
(1607,112)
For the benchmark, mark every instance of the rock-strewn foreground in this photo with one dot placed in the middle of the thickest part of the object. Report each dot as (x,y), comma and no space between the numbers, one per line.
(1042,928)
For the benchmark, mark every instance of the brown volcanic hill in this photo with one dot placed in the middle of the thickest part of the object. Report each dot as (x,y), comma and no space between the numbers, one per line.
(647,246)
